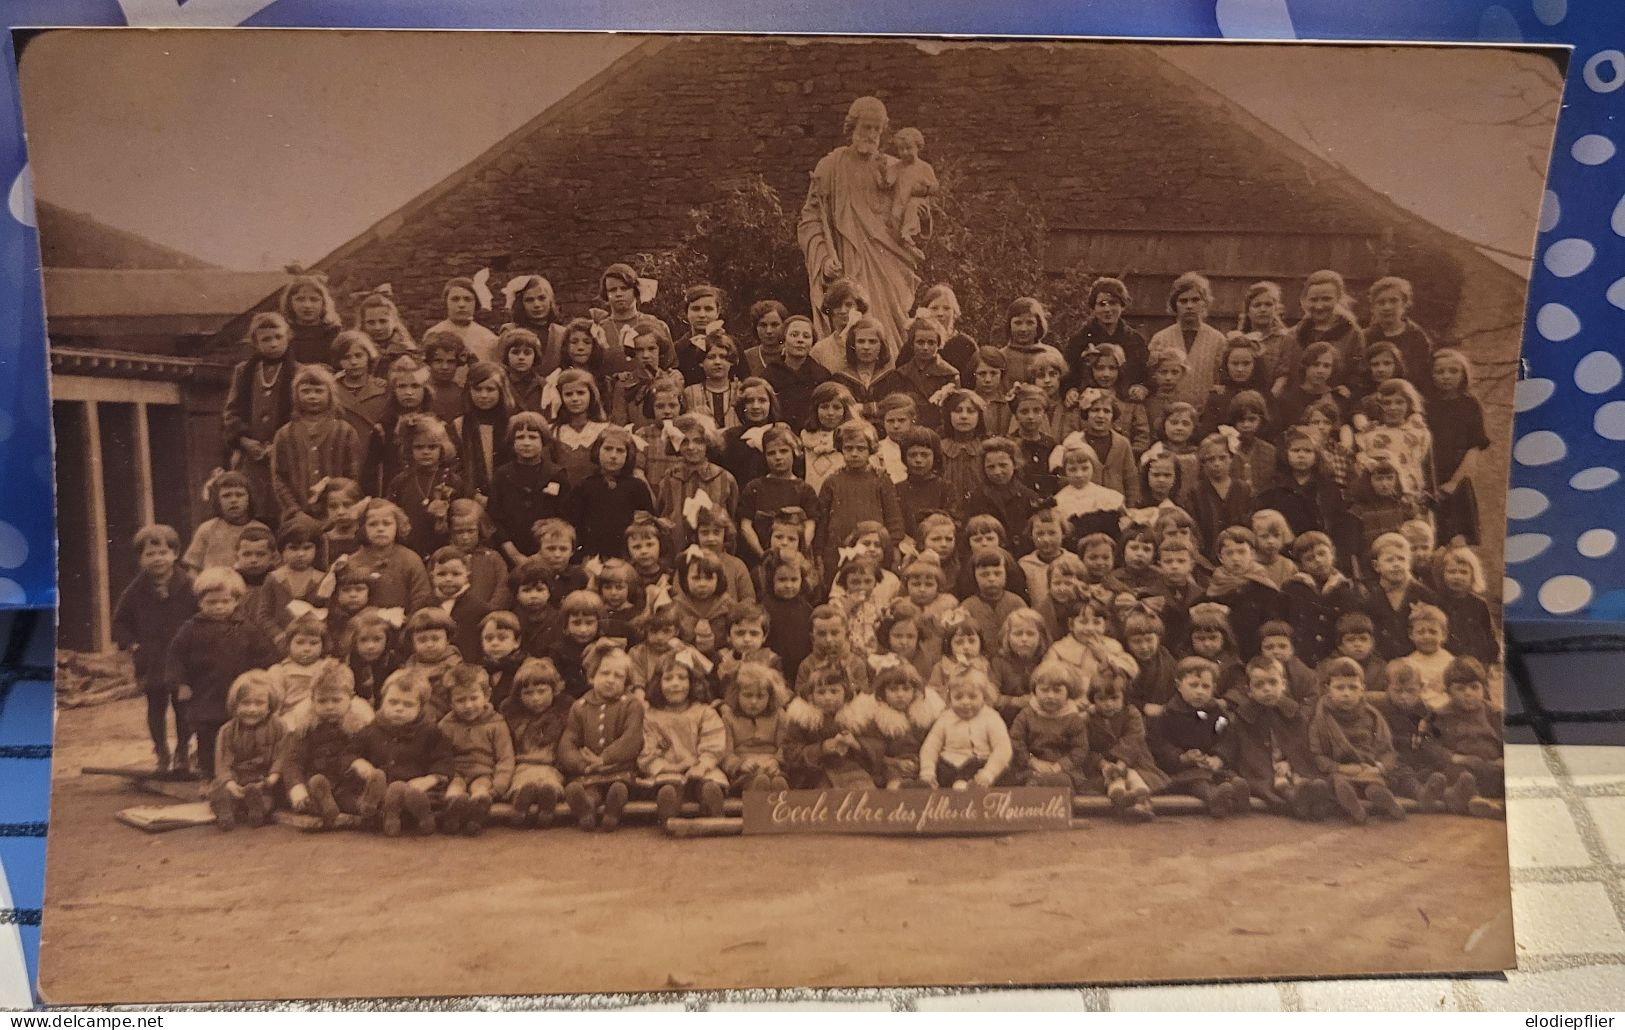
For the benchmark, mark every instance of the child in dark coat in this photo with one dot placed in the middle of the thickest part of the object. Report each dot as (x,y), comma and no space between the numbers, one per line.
(1049,737)
(1419,760)
(406,753)
(1352,744)
(537,710)
(893,727)
(821,746)
(1272,745)
(1194,741)
(1117,737)
(319,760)
(1241,584)
(209,652)
(149,613)
(1316,597)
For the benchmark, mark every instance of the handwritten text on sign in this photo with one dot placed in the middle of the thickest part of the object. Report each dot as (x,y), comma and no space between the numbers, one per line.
(978,810)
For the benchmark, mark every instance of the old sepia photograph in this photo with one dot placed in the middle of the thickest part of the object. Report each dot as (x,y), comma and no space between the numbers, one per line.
(559,513)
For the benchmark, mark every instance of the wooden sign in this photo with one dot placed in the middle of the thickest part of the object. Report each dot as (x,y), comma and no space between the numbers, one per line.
(979,810)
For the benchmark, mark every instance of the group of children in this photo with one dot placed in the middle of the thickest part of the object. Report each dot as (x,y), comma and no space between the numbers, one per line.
(579,559)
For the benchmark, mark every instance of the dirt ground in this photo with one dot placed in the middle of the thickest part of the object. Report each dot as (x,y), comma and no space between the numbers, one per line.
(201,915)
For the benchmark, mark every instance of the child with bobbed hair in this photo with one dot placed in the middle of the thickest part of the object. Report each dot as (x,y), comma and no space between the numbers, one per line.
(1117,740)
(520,352)
(1106,300)
(854,494)
(246,753)
(821,747)
(684,739)
(991,382)
(753,713)
(893,727)
(1153,684)
(697,475)
(906,633)
(1049,736)
(603,737)
(369,653)
(430,634)
(536,711)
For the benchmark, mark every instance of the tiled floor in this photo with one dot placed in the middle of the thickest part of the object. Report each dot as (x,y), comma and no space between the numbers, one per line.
(1566,816)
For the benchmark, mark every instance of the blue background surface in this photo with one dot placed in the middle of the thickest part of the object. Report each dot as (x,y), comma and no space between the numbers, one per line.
(1571,408)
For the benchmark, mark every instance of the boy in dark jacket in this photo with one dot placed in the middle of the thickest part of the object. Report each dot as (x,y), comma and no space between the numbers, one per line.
(1241,583)
(319,765)
(406,752)
(449,577)
(149,613)
(1272,745)
(501,654)
(1194,741)
(1356,640)
(209,652)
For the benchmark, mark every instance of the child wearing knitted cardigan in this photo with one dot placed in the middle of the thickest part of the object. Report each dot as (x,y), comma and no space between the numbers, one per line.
(968,744)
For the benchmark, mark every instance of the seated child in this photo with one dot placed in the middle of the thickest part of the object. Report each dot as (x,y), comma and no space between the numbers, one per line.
(484,749)
(684,740)
(755,720)
(1272,745)
(968,744)
(402,756)
(1194,741)
(1153,685)
(963,649)
(583,613)
(297,578)
(1023,641)
(1469,730)
(894,727)
(1418,757)
(318,760)
(536,709)
(821,747)
(1352,744)
(246,753)
(602,739)
(1049,737)
(1117,739)
(992,603)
